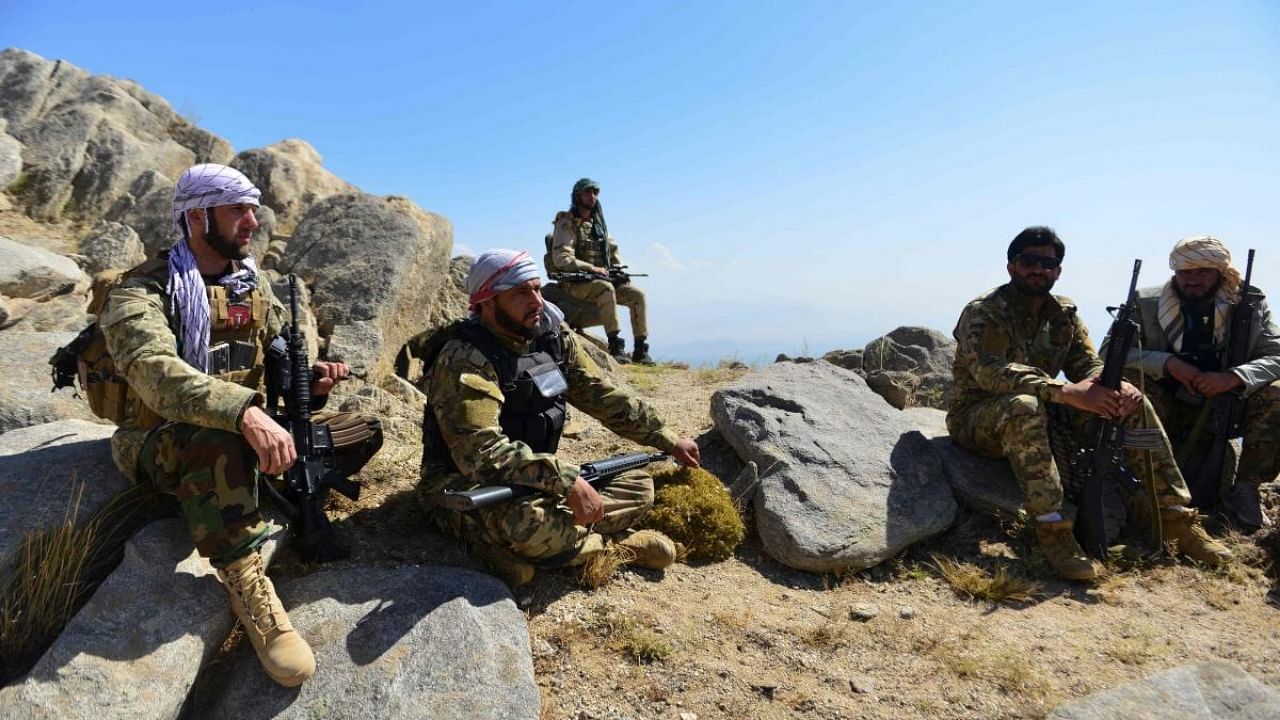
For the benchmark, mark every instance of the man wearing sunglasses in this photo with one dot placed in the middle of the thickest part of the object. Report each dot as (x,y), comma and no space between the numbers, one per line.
(1013,343)
(1185,336)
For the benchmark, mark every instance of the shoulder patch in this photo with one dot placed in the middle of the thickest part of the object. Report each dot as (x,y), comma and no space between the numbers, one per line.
(479,384)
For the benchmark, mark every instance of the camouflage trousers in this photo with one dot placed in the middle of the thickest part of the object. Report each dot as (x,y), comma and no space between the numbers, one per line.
(540,529)
(606,297)
(1260,458)
(1017,427)
(214,475)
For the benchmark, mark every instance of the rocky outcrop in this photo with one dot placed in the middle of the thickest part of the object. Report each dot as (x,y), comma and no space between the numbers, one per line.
(30,272)
(87,138)
(845,481)
(10,156)
(1216,690)
(981,483)
(25,395)
(292,178)
(390,643)
(370,262)
(111,245)
(910,367)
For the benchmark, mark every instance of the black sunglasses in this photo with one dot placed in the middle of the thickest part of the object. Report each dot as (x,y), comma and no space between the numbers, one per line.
(1029,260)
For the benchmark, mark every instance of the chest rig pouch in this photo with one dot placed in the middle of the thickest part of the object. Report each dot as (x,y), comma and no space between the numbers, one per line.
(236,329)
(533,386)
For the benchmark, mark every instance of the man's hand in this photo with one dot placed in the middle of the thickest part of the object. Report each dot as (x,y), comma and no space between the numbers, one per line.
(1089,396)
(585,503)
(602,272)
(327,375)
(1182,371)
(272,443)
(1216,383)
(686,453)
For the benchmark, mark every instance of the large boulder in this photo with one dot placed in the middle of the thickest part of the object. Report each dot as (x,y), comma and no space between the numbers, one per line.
(292,177)
(30,272)
(145,206)
(370,263)
(981,483)
(845,481)
(910,367)
(45,469)
(87,137)
(10,156)
(111,245)
(1205,691)
(136,648)
(393,643)
(25,396)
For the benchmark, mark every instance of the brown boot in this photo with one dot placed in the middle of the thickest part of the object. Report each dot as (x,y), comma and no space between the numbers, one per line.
(652,549)
(1182,527)
(509,568)
(283,653)
(1058,543)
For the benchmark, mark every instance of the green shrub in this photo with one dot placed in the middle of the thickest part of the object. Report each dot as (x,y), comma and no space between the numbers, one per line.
(693,508)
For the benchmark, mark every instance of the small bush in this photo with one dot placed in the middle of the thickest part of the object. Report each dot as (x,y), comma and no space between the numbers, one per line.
(973,582)
(693,508)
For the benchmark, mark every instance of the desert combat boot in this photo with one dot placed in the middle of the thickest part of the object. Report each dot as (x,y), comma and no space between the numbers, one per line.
(651,548)
(1058,543)
(1182,528)
(284,654)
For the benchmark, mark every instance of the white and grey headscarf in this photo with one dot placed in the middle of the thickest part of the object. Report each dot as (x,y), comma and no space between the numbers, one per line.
(204,186)
(497,270)
(1192,253)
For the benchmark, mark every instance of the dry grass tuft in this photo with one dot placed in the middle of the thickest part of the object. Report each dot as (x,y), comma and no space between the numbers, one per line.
(601,567)
(970,581)
(829,635)
(626,635)
(1136,648)
(1010,670)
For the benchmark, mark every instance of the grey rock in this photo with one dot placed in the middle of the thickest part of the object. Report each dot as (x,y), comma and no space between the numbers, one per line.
(983,484)
(61,313)
(135,649)
(111,245)
(10,156)
(743,487)
(292,178)
(370,261)
(847,359)
(45,468)
(30,272)
(906,612)
(145,206)
(915,349)
(391,643)
(25,397)
(1205,691)
(847,481)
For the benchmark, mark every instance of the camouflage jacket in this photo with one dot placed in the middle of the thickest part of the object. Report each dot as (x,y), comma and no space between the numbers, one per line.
(464,395)
(573,250)
(1002,348)
(1152,349)
(139,328)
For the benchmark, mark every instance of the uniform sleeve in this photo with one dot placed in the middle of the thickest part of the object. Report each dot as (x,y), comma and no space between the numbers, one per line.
(616,407)
(982,346)
(614,258)
(562,242)
(467,401)
(144,350)
(1082,359)
(1263,367)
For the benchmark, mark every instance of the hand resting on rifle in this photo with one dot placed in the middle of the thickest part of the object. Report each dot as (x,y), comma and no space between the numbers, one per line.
(585,502)
(1089,396)
(328,374)
(1206,384)
(272,443)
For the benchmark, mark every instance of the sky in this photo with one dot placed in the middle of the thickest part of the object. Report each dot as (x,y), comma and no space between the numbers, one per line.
(794,177)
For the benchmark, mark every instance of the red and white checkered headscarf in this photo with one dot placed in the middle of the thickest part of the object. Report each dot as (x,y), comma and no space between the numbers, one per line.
(498,270)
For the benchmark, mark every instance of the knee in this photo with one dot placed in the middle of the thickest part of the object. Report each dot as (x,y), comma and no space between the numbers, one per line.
(207,445)
(1024,406)
(536,533)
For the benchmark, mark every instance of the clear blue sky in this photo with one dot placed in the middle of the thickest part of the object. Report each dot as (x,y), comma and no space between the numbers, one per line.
(793,175)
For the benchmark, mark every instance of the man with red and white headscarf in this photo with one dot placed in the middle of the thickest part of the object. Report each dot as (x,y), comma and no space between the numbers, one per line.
(497,384)
(1181,352)
(187,332)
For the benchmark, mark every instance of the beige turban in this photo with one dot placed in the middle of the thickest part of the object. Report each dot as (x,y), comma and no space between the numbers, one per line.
(1201,251)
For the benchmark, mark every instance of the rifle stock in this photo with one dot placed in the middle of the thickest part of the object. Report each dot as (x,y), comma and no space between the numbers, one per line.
(596,473)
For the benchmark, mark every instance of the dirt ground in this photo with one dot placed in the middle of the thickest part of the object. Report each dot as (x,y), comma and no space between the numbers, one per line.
(750,638)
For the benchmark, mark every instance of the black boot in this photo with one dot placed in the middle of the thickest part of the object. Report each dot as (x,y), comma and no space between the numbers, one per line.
(618,349)
(641,354)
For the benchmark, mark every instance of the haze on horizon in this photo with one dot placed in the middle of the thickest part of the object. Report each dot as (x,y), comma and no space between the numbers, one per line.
(794,177)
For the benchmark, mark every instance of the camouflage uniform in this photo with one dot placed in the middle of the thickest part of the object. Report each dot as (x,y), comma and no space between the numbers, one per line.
(1260,460)
(573,250)
(1006,373)
(465,402)
(181,430)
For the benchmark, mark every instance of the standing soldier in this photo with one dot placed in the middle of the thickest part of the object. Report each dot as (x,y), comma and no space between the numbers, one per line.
(581,243)
(497,388)
(188,331)
(1012,344)
(1182,353)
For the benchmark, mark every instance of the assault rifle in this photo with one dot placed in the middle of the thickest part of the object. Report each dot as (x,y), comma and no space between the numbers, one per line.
(307,481)
(1103,456)
(596,473)
(618,275)
(1226,410)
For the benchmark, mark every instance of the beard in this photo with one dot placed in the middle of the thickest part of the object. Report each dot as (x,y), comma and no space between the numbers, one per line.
(227,248)
(1196,296)
(1029,288)
(513,324)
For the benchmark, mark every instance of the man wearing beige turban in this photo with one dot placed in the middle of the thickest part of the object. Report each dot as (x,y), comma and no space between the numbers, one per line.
(1182,354)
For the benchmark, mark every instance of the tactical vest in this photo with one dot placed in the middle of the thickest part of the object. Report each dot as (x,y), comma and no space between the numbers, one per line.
(586,246)
(533,387)
(1198,347)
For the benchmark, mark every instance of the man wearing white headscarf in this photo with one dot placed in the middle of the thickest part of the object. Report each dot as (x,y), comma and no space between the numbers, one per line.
(1182,354)
(497,384)
(187,332)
